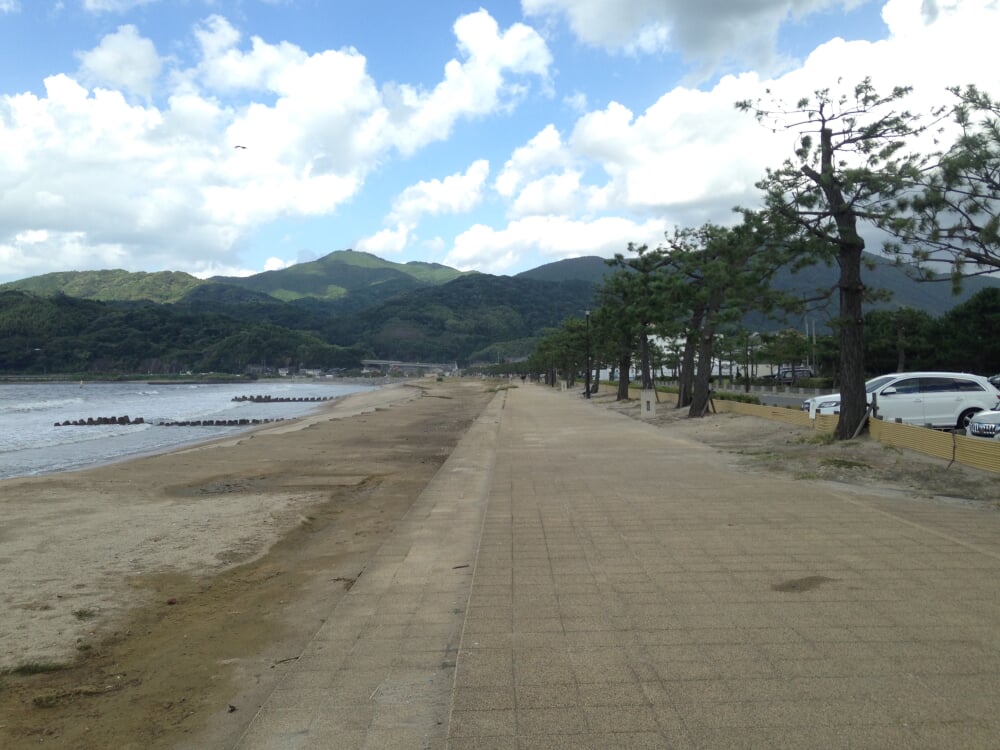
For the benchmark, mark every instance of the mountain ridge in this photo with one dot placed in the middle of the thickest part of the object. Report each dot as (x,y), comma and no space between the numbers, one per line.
(349,281)
(380,310)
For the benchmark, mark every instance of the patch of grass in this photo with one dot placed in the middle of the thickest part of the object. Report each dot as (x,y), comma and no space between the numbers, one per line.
(84,614)
(37,667)
(820,438)
(744,398)
(844,463)
(84,647)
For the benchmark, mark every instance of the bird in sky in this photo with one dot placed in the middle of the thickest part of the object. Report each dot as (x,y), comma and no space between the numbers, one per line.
(243,147)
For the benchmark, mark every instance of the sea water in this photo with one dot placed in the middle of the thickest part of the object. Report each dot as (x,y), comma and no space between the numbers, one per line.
(32,443)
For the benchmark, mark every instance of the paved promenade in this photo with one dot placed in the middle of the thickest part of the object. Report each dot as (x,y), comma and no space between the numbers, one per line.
(573,578)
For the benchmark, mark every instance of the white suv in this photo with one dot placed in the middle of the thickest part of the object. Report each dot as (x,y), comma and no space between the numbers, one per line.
(939,399)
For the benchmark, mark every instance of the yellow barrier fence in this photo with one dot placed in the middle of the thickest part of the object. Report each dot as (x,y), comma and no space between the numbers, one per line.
(968,451)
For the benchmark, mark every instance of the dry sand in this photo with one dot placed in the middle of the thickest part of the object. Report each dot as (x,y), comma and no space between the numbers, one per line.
(70,543)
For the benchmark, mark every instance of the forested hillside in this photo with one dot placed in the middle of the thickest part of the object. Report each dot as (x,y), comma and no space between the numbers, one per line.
(337,311)
(464,318)
(223,328)
(61,334)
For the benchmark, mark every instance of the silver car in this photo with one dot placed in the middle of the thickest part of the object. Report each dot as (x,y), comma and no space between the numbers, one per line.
(939,399)
(985,424)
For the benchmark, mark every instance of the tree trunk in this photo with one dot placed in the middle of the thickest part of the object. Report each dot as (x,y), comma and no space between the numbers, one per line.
(703,376)
(624,366)
(685,378)
(647,380)
(853,399)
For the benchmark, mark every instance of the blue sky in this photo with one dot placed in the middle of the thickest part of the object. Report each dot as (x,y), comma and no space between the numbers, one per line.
(494,135)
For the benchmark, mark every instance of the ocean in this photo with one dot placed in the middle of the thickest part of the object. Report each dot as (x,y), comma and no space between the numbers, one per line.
(31,443)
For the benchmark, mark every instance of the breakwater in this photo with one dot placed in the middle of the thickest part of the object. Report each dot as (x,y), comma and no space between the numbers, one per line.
(284,399)
(99,421)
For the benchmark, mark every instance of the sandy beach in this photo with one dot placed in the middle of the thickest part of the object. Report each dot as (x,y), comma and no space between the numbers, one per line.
(170,585)
(152,603)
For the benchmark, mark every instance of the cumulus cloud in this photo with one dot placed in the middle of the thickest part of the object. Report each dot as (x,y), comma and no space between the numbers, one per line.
(709,31)
(455,194)
(691,157)
(542,153)
(130,161)
(389,241)
(164,181)
(123,60)
(555,237)
(486,80)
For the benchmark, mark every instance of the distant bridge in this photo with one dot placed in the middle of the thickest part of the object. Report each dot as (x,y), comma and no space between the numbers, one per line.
(409,368)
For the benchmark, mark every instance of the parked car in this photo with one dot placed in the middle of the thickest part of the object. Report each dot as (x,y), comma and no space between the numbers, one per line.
(985,424)
(787,375)
(938,399)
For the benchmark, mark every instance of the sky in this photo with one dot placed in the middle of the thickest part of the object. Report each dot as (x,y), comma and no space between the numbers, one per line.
(230,137)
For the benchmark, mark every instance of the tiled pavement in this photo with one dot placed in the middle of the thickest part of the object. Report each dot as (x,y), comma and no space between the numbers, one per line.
(627,589)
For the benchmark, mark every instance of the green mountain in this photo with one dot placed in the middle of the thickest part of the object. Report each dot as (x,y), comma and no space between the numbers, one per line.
(340,309)
(344,274)
(161,286)
(590,268)
(471,318)
(893,287)
(355,280)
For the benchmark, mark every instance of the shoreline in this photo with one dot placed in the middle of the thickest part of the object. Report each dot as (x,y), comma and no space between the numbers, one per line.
(72,539)
(42,452)
(141,599)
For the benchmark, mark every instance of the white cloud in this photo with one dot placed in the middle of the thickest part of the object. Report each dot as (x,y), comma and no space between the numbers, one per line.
(9,6)
(165,183)
(457,193)
(552,194)
(113,6)
(276,264)
(30,253)
(691,157)
(689,146)
(390,241)
(710,31)
(471,88)
(122,60)
(577,101)
(542,153)
(554,237)
(90,178)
